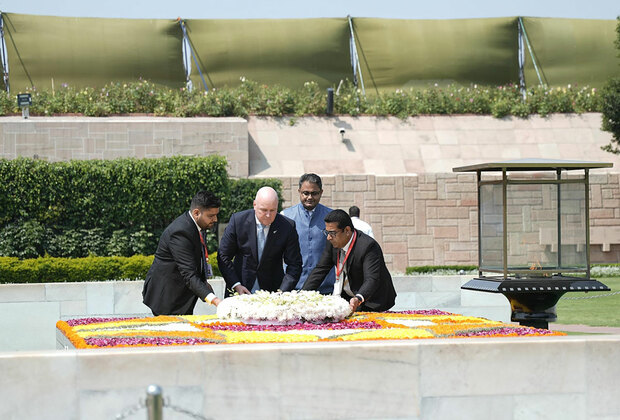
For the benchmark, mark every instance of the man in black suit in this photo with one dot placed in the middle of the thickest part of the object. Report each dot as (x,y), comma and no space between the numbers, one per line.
(180,269)
(361,275)
(253,246)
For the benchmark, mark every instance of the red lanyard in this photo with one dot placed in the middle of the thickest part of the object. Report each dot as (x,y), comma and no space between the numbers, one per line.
(204,245)
(345,256)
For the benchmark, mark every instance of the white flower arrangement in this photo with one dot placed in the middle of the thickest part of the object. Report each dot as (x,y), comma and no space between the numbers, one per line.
(283,308)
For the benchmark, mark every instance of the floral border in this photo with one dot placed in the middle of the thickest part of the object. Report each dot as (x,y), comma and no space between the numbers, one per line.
(86,333)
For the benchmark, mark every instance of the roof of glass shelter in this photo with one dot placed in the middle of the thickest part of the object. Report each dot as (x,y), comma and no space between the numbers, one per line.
(533,165)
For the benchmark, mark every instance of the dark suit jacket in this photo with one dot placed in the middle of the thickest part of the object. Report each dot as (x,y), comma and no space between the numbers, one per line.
(176,279)
(366,271)
(237,255)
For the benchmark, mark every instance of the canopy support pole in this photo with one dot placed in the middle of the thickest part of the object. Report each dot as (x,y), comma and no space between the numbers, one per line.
(521,60)
(187,63)
(5,64)
(529,47)
(355,62)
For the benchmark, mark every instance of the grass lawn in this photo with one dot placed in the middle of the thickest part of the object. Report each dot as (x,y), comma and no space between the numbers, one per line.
(597,312)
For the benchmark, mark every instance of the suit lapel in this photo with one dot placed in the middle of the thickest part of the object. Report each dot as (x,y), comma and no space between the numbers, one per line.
(352,253)
(195,234)
(251,226)
(273,230)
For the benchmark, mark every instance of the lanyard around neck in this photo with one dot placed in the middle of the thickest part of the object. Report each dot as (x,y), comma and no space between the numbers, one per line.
(338,271)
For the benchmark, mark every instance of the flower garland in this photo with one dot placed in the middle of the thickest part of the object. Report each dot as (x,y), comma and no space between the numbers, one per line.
(209,329)
(284,307)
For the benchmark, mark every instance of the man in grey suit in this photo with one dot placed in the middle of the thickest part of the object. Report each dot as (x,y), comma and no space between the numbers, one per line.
(178,276)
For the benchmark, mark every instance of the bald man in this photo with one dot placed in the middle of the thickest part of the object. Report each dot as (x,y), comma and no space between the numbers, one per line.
(254,245)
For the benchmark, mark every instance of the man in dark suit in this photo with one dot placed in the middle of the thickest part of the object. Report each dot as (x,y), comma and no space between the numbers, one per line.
(361,275)
(178,275)
(253,246)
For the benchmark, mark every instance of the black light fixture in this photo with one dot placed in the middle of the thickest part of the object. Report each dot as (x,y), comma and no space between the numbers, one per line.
(24,100)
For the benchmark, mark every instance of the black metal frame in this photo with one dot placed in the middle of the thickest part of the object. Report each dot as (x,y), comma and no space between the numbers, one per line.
(533,295)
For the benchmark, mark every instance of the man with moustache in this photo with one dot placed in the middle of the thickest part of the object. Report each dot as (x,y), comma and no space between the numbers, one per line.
(308,215)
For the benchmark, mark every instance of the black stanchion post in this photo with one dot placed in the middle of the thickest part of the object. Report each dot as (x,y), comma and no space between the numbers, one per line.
(330,101)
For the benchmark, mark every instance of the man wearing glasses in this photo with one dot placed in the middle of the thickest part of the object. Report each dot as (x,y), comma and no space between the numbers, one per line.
(362,277)
(309,215)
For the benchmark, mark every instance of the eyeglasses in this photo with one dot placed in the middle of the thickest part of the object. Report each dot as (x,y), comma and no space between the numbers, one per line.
(310,193)
(333,233)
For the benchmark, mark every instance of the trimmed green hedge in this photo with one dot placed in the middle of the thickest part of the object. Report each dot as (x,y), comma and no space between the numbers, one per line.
(243,192)
(611,113)
(429,269)
(53,270)
(59,270)
(596,270)
(106,194)
(110,207)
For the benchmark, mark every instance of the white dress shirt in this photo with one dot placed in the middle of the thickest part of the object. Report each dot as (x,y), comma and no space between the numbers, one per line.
(342,282)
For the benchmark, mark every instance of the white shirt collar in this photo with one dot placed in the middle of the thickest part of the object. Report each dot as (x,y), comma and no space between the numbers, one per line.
(259,224)
(346,247)
(192,217)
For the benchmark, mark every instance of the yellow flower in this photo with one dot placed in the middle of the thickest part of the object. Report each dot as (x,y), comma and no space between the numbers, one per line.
(235,337)
(387,334)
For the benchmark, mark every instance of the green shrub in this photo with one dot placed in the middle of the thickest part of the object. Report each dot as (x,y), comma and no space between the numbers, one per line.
(596,270)
(55,270)
(124,243)
(29,239)
(111,207)
(51,270)
(252,98)
(501,108)
(611,114)
(108,208)
(23,240)
(429,269)
(243,192)
(106,194)
(76,243)
(214,266)
(520,109)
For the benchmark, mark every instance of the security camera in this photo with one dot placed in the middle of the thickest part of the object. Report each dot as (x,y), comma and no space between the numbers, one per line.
(341,131)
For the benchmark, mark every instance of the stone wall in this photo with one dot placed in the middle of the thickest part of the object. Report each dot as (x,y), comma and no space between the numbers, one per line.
(552,378)
(431,219)
(64,138)
(397,171)
(289,146)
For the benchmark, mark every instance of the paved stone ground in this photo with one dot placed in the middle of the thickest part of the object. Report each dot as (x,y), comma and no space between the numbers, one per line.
(586,329)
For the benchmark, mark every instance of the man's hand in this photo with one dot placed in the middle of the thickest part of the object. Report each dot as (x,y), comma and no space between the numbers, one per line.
(242,290)
(216,301)
(354,303)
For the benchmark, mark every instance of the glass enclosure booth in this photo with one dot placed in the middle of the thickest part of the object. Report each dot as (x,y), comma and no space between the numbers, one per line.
(533,233)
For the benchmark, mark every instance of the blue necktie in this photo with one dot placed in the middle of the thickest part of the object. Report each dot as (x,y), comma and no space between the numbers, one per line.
(260,242)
